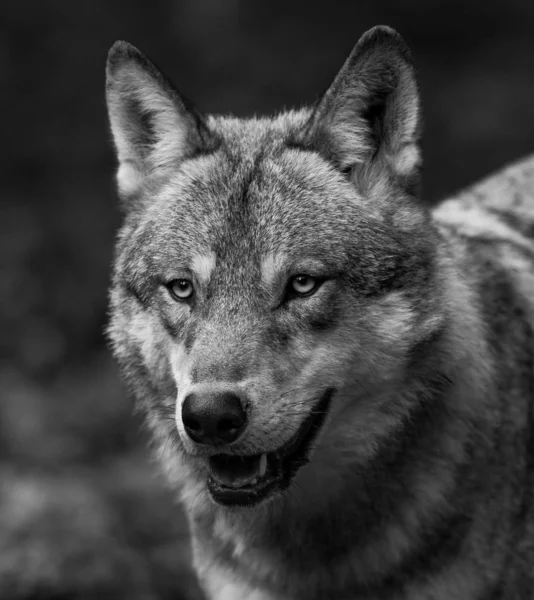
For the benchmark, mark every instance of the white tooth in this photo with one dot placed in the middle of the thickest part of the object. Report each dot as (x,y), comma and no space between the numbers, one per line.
(263,465)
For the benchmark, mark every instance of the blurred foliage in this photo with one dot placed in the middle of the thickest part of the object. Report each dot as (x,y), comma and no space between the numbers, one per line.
(82,511)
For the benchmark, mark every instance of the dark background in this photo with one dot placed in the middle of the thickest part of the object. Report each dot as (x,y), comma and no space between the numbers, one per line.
(82,511)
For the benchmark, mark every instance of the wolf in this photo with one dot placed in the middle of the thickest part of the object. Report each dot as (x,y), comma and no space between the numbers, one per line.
(339,380)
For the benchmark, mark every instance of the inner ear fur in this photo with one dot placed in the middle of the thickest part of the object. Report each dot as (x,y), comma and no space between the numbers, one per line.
(369,118)
(153,126)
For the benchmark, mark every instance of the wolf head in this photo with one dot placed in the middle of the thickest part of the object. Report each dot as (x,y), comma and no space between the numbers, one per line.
(273,276)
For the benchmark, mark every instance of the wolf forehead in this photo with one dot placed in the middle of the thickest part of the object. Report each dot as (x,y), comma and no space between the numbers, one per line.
(256,194)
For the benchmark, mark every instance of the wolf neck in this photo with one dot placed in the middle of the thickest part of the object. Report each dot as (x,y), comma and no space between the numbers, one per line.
(400,507)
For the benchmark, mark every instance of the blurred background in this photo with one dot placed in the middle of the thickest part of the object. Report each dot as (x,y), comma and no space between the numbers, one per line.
(83,511)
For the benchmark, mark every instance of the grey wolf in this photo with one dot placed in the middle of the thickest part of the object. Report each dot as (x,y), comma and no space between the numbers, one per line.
(339,381)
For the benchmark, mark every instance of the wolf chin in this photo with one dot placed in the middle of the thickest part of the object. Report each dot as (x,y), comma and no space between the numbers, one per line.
(339,381)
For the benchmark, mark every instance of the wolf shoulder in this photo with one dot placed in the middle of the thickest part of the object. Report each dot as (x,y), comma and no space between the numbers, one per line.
(498,208)
(488,231)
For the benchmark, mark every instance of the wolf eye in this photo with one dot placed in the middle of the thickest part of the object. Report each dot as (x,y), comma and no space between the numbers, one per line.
(180,289)
(303,285)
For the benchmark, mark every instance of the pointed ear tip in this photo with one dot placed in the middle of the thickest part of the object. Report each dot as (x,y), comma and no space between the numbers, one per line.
(119,52)
(384,30)
(385,35)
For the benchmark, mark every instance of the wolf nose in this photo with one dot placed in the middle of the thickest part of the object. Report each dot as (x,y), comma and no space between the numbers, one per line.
(213,418)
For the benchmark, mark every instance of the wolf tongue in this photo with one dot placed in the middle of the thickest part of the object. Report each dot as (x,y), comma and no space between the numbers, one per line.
(234,471)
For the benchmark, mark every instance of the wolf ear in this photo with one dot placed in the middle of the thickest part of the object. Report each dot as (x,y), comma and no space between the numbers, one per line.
(369,117)
(153,127)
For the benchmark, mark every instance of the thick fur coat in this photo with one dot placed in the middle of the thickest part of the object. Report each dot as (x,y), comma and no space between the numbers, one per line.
(382,353)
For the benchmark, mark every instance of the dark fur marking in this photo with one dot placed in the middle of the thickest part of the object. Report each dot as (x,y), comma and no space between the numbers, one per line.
(375,115)
(401,454)
(326,318)
(424,347)
(276,337)
(395,269)
(437,549)
(323,322)
(141,294)
(383,480)
(190,336)
(143,119)
(508,318)
(238,220)
(172,328)
(411,182)
(513,220)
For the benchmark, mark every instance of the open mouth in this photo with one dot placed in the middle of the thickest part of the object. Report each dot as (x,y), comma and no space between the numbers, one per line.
(247,480)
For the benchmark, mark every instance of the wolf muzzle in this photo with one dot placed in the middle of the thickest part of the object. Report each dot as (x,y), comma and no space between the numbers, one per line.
(213,418)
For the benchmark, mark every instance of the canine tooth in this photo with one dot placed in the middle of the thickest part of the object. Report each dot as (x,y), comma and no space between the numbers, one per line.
(263,465)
